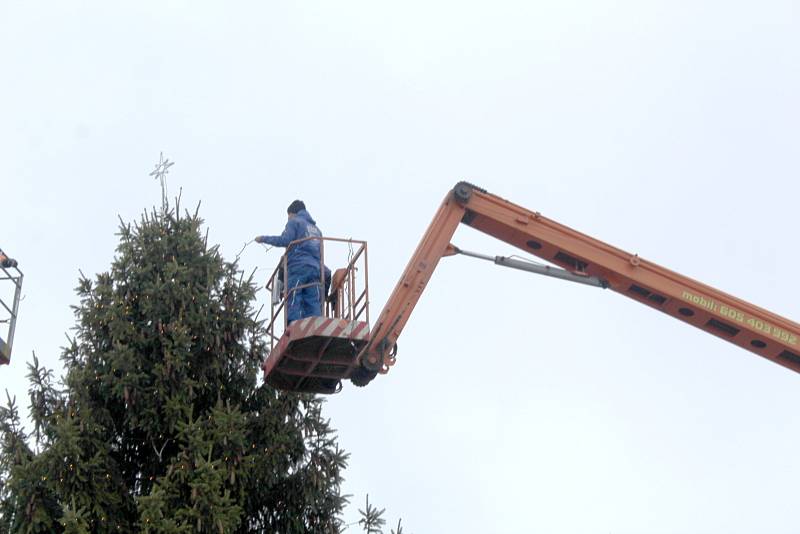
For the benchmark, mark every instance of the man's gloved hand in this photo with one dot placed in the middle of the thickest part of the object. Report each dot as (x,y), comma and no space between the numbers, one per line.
(259,239)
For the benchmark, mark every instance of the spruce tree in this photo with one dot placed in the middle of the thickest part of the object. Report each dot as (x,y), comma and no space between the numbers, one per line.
(159,423)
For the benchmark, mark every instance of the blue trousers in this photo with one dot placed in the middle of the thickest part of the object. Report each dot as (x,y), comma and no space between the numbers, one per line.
(305,302)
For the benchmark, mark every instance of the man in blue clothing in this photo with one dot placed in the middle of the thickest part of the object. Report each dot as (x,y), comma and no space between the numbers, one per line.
(303,262)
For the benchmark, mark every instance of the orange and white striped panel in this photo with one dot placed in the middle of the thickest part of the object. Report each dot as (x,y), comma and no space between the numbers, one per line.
(328,327)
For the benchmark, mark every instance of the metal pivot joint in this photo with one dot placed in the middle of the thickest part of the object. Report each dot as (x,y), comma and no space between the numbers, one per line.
(462,192)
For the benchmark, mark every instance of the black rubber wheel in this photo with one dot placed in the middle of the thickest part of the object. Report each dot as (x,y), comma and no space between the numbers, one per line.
(362,376)
(462,192)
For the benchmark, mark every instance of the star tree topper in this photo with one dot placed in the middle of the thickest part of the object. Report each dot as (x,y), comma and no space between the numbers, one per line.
(160,172)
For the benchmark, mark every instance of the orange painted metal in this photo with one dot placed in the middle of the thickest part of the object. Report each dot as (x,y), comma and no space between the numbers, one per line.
(741,323)
(750,327)
(435,243)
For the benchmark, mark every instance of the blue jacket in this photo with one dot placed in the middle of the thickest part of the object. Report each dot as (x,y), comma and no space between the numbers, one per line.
(305,254)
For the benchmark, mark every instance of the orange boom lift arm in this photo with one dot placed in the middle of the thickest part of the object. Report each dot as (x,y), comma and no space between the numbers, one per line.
(583,259)
(315,354)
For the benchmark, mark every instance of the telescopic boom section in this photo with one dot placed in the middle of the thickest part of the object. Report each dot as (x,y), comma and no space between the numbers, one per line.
(755,329)
(378,355)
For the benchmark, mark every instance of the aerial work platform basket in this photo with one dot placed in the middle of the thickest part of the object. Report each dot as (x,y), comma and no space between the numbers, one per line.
(10,289)
(314,354)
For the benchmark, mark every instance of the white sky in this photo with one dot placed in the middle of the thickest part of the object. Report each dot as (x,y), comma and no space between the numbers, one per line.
(518,403)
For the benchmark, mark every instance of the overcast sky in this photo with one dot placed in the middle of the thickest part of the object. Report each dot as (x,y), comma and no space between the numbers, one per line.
(518,403)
